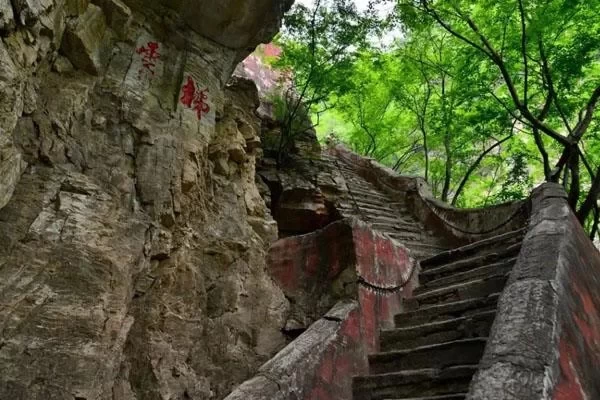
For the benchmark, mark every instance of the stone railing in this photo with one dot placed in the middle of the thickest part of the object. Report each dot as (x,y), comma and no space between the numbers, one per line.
(545,341)
(459,226)
(364,275)
(317,365)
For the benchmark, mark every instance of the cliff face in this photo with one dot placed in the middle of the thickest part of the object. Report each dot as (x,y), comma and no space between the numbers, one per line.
(132,234)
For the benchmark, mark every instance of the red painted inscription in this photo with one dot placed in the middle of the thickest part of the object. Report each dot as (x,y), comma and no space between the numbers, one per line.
(150,56)
(194,98)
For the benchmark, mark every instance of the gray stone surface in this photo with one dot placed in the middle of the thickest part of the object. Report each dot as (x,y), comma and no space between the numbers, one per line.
(7,17)
(129,267)
(521,359)
(84,44)
(231,23)
(290,373)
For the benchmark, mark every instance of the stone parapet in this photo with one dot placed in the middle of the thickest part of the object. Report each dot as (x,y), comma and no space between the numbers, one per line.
(364,275)
(545,341)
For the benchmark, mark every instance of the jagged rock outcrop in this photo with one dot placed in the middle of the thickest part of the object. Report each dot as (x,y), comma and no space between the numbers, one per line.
(132,233)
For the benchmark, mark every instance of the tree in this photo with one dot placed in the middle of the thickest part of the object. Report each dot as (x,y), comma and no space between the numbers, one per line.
(320,47)
(415,111)
(545,55)
(483,98)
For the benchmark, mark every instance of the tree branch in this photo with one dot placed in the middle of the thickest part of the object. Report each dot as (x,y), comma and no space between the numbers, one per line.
(474,166)
(524,52)
(591,199)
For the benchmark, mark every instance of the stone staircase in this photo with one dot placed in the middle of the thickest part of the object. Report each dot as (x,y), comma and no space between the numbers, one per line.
(391,216)
(438,341)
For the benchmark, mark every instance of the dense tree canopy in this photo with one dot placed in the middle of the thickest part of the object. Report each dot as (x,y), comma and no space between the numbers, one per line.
(484,99)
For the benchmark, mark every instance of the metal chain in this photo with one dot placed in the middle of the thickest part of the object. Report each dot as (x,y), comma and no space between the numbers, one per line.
(483,232)
(355,203)
(389,290)
(361,280)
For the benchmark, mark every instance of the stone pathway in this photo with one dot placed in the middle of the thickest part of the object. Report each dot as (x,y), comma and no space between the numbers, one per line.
(437,343)
(391,216)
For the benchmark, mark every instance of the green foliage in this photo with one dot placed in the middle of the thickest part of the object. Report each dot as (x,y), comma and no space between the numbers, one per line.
(517,183)
(320,47)
(483,98)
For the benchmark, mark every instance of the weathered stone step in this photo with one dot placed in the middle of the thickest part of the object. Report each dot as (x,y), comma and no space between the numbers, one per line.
(372,192)
(439,355)
(465,290)
(366,189)
(476,325)
(426,248)
(420,236)
(454,396)
(397,227)
(434,272)
(347,169)
(414,383)
(376,216)
(370,197)
(372,203)
(385,207)
(352,179)
(420,254)
(329,157)
(480,246)
(382,212)
(445,311)
(499,268)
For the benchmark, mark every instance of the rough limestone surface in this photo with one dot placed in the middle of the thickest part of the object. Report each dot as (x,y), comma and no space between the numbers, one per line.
(132,232)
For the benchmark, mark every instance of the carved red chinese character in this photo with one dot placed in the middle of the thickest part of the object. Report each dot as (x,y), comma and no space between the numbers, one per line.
(194,98)
(189,90)
(150,55)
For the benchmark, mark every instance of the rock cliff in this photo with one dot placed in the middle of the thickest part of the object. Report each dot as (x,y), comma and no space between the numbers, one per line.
(132,233)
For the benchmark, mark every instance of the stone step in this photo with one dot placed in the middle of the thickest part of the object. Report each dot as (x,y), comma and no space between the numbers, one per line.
(476,325)
(353,179)
(375,216)
(378,199)
(439,355)
(346,169)
(419,236)
(329,157)
(473,248)
(462,291)
(397,219)
(385,206)
(448,310)
(397,227)
(365,188)
(383,213)
(495,269)
(434,272)
(416,382)
(371,203)
(373,192)
(453,396)
(419,254)
(426,248)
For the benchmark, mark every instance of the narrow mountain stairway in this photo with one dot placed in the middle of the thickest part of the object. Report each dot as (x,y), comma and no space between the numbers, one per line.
(438,341)
(391,216)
